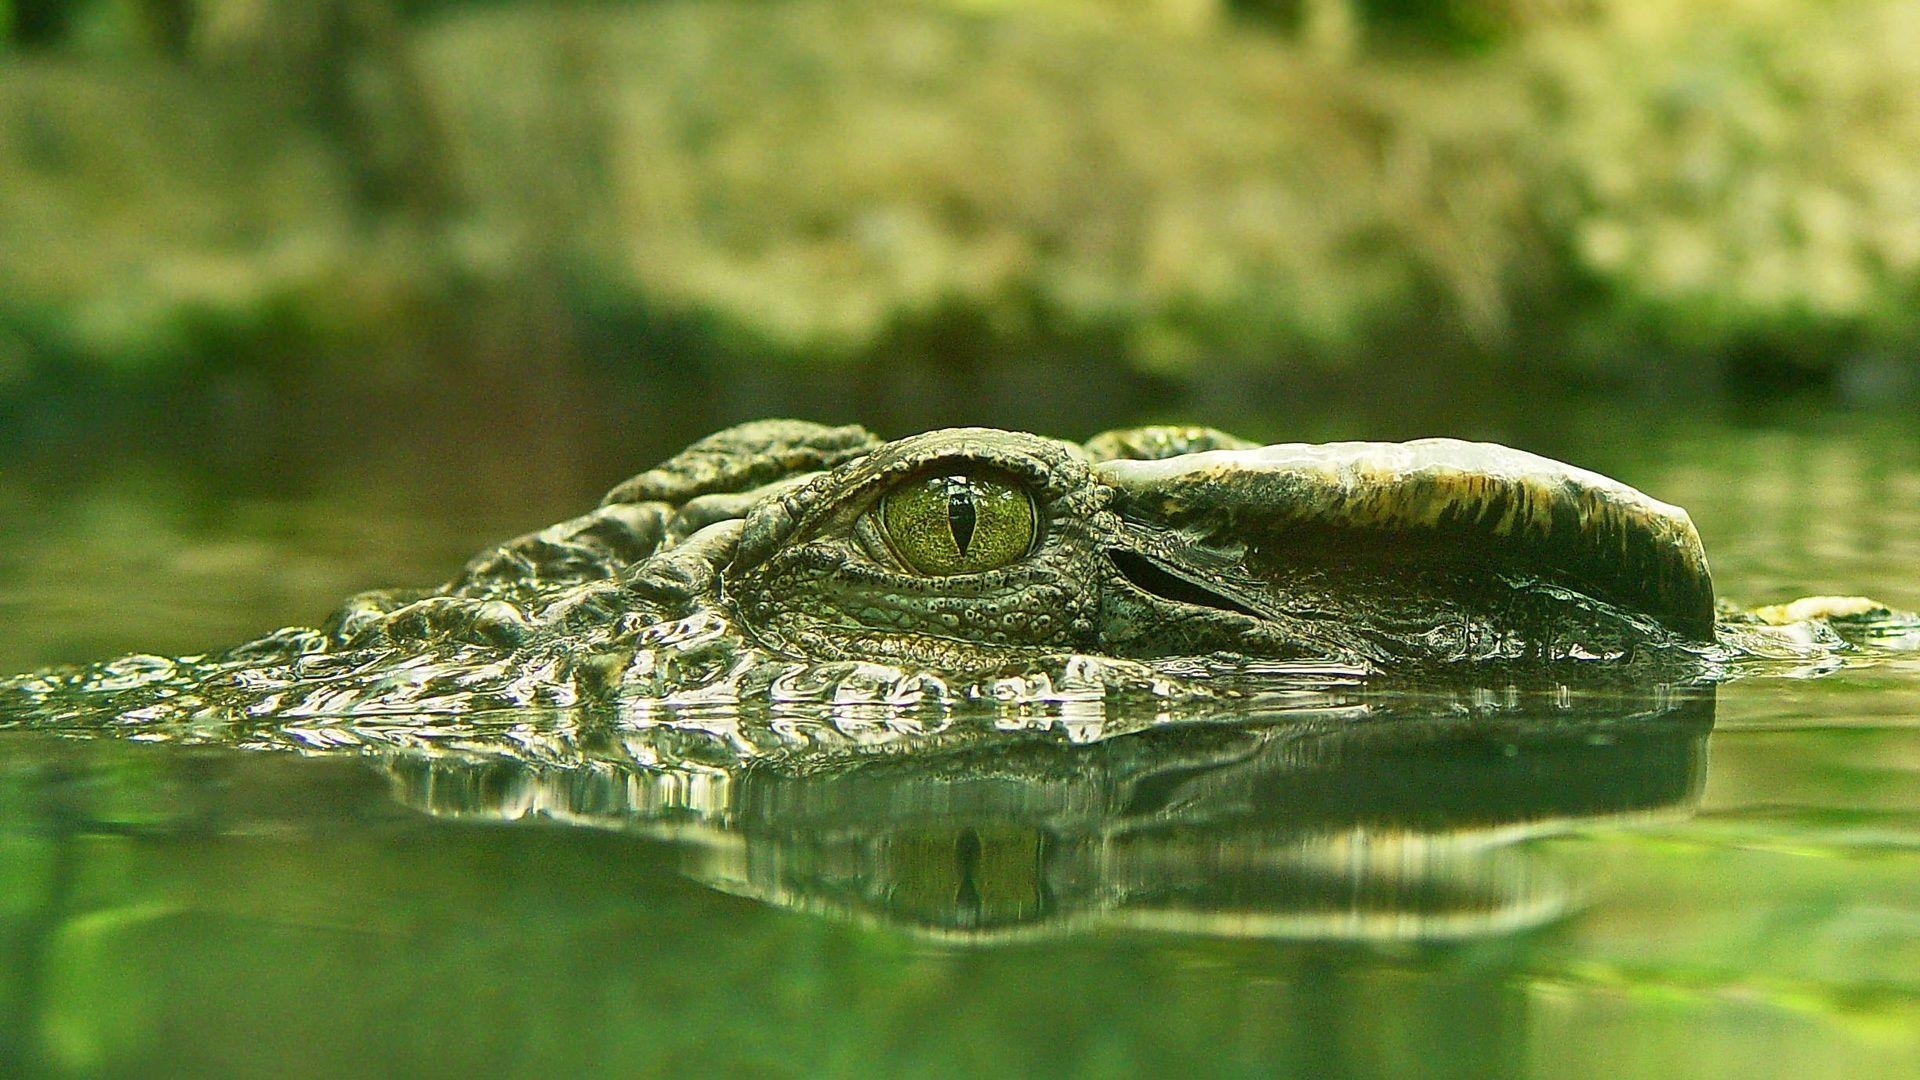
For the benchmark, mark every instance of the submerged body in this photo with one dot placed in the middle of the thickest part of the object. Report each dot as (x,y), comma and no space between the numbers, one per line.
(783,561)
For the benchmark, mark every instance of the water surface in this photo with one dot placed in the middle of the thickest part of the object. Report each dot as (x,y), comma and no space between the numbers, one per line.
(1647,880)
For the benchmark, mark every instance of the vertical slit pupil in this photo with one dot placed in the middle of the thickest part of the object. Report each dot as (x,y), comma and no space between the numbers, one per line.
(966,857)
(960,512)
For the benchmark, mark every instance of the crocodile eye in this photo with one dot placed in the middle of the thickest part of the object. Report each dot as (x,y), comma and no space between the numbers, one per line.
(958,523)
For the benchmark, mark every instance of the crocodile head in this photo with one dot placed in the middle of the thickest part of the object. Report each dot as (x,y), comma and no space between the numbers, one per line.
(966,549)
(790,560)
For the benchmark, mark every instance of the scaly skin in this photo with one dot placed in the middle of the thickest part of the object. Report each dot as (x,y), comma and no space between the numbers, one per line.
(756,565)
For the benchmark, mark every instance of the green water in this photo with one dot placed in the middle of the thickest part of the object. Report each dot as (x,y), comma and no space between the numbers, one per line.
(1648,881)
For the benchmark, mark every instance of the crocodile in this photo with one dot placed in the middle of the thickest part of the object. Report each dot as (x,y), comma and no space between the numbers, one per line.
(785,561)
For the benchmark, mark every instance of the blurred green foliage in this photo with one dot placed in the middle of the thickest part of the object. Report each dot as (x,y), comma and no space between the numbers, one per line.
(1605,190)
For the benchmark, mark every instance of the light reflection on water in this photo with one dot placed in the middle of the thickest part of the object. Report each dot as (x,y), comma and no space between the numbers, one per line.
(149,881)
(1358,883)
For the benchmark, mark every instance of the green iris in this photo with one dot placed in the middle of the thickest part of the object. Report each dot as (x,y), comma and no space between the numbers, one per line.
(961,523)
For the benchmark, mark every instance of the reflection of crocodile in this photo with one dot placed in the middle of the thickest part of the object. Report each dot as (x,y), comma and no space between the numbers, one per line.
(785,561)
(1346,814)
(1317,821)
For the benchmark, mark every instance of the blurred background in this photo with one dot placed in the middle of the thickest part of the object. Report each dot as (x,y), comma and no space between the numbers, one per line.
(289,288)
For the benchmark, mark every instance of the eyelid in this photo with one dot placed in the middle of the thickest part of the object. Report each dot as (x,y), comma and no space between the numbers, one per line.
(1029,474)
(872,540)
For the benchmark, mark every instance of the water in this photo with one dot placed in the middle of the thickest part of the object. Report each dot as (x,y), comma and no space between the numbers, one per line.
(1642,881)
